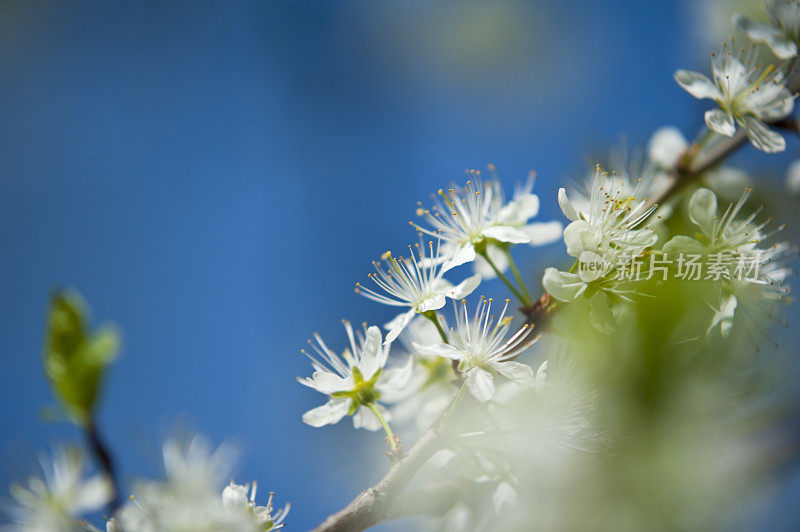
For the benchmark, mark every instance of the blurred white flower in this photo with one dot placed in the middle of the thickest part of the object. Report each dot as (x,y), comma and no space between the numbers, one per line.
(719,234)
(728,235)
(723,316)
(666,146)
(480,347)
(783,35)
(431,387)
(189,496)
(235,499)
(417,282)
(746,93)
(793,177)
(355,380)
(55,502)
(478,217)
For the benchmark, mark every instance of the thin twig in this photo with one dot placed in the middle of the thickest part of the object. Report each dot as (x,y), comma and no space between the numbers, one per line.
(106,462)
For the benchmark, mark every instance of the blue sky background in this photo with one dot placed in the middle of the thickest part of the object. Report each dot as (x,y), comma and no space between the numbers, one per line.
(215,177)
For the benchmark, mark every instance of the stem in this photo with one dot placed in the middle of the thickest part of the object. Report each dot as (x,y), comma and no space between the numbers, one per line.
(503,278)
(704,139)
(106,462)
(518,277)
(455,401)
(389,434)
(431,315)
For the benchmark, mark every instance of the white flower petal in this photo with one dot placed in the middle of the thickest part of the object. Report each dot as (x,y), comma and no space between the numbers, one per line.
(465,253)
(327,382)
(720,122)
(772,36)
(464,288)
(436,301)
(94,493)
(506,233)
(516,371)
(566,206)
(235,496)
(542,233)
(441,458)
(683,244)
(600,315)
(504,496)
(374,355)
(541,376)
(438,350)
(480,384)
(328,414)
(563,286)
(579,237)
(519,211)
(763,137)
(396,326)
(703,209)
(591,266)
(666,145)
(394,382)
(697,84)
(724,316)
(365,419)
(793,177)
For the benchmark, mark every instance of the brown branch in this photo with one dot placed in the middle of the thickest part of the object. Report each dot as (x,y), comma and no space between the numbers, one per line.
(381,502)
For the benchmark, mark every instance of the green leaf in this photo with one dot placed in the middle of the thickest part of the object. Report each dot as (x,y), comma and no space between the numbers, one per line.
(75,358)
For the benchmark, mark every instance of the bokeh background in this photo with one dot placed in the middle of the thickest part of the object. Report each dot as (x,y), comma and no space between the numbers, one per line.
(214,177)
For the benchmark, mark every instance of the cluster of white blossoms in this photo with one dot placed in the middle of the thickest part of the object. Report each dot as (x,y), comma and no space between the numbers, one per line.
(478,220)
(426,362)
(466,224)
(57,501)
(190,498)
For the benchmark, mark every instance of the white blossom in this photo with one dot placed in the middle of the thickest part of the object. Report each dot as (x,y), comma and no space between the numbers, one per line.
(355,380)
(478,217)
(609,224)
(719,234)
(480,347)
(783,34)
(747,95)
(431,387)
(740,238)
(54,503)
(190,498)
(666,147)
(235,499)
(417,282)
(604,234)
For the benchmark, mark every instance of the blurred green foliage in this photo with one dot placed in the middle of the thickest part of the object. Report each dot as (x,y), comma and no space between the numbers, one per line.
(75,357)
